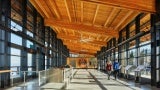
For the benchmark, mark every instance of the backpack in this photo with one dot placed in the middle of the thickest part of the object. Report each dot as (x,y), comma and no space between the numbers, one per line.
(116,65)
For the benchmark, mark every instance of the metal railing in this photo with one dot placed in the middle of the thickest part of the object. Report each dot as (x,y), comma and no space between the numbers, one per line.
(56,75)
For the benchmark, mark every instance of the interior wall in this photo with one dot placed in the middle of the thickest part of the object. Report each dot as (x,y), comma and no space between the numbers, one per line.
(82,62)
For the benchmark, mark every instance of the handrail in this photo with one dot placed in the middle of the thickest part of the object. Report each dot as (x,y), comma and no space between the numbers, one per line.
(4,71)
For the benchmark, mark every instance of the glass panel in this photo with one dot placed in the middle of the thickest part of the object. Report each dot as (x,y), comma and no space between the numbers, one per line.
(15,26)
(15,10)
(15,51)
(15,71)
(29,62)
(146,61)
(123,55)
(15,61)
(132,44)
(30,33)
(145,50)
(2,34)
(132,29)
(132,53)
(29,59)
(123,35)
(1,58)
(123,47)
(16,39)
(132,61)
(46,44)
(29,44)
(2,20)
(145,23)
(116,55)
(2,47)
(123,63)
(145,39)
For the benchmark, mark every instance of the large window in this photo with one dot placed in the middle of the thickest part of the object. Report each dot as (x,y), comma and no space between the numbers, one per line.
(132,57)
(15,62)
(16,39)
(145,59)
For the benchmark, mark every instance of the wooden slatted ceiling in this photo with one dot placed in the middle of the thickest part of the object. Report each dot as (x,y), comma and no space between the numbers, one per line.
(86,25)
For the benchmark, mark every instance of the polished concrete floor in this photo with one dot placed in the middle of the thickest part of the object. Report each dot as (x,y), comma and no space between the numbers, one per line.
(89,80)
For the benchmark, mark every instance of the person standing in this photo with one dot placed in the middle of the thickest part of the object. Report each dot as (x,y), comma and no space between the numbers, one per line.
(109,68)
(116,68)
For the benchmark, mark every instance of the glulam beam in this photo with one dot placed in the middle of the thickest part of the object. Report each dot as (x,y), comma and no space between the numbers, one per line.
(81,27)
(136,5)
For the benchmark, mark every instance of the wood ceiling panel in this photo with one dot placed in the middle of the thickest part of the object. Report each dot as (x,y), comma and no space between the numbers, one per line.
(82,45)
(78,39)
(130,18)
(118,17)
(138,5)
(98,20)
(89,12)
(80,27)
(122,19)
(53,7)
(38,8)
(115,12)
(102,15)
(62,9)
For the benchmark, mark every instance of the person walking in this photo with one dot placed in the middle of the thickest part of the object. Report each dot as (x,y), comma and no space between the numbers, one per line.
(109,68)
(116,68)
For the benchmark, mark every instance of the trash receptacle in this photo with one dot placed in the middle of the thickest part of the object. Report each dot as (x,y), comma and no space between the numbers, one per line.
(137,76)
(137,79)
(158,84)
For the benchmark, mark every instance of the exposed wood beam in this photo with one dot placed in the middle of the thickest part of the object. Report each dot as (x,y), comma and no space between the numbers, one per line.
(80,48)
(37,7)
(128,20)
(123,19)
(71,37)
(137,5)
(96,13)
(74,9)
(41,4)
(81,11)
(47,7)
(82,52)
(68,10)
(99,43)
(110,15)
(89,46)
(94,42)
(55,29)
(81,27)
(53,6)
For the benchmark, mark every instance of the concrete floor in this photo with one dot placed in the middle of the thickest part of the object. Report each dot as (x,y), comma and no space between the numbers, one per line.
(89,80)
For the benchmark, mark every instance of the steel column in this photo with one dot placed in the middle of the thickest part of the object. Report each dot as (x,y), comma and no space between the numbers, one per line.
(137,23)
(5,12)
(24,65)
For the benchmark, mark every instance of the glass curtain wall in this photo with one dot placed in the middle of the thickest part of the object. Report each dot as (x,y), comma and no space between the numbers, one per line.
(135,52)
(27,36)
